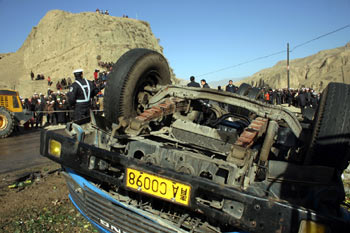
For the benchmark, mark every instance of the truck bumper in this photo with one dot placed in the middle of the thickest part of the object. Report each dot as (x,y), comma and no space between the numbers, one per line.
(257,214)
(106,213)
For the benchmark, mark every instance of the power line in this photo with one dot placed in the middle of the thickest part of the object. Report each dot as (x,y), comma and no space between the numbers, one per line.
(243,63)
(276,53)
(319,37)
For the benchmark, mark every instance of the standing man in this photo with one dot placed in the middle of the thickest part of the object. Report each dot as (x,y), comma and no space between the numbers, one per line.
(301,100)
(80,94)
(193,83)
(230,87)
(308,97)
(96,74)
(204,84)
(267,96)
(289,97)
(40,107)
(32,75)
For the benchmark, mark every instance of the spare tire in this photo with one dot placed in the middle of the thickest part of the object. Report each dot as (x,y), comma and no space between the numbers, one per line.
(330,139)
(134,70)
(243,89)
(6,122)
(256,93)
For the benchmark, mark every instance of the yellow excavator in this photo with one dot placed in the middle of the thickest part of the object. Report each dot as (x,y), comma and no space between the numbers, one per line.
(11,112)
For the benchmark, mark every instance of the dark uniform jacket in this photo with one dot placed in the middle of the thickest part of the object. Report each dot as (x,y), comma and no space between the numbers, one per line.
(193,84)
(206,85)
(230,88)
(80,94)
(302,99)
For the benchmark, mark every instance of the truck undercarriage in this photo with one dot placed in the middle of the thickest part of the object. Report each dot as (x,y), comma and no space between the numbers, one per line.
(202,160)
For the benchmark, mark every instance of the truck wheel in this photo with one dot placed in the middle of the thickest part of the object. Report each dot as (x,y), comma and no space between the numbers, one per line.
(6,123)
(243,89)
(256,93)
(330,141)
(134,70)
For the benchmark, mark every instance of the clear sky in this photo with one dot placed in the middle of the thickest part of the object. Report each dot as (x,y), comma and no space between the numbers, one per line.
(202,36)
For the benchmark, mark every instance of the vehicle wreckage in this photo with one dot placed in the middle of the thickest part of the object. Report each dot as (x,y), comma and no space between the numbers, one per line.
(169,158)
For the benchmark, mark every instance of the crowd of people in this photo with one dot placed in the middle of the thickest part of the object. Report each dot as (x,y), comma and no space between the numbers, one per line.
(106,12)
(301,98)
(53,107)
(38,76)
(63,83)
(106,65)
(100,76)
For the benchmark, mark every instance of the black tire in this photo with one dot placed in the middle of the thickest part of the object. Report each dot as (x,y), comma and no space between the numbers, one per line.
(6,122)
(330,138)
(256,93)
(133,71)
(244,89)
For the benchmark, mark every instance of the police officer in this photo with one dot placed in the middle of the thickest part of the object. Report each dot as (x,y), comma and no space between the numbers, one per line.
(80,94)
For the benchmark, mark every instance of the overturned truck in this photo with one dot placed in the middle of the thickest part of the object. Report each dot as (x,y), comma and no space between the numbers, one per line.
(168,158)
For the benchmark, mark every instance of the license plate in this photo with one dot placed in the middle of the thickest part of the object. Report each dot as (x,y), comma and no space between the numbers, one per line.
(158,186)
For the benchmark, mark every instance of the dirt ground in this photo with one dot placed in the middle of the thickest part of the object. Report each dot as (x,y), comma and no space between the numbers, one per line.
(36,200)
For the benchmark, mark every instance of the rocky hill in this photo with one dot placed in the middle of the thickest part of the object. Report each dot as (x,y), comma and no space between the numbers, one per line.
(314,71)
(63,42)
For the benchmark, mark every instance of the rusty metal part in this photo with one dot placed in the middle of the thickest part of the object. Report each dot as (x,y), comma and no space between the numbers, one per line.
(166,107)
(256,129)
(261,109)
(143,98)
(240,150)
(270,135)
(239,155)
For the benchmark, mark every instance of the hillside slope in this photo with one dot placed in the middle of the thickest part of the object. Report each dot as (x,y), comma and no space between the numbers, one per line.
(63,41)
(314,71)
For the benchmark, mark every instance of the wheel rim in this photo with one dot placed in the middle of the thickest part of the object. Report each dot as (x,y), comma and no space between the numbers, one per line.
(149,79)
(3,122)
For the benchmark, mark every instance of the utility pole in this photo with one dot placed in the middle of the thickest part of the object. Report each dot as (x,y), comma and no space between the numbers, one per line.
(288,65)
